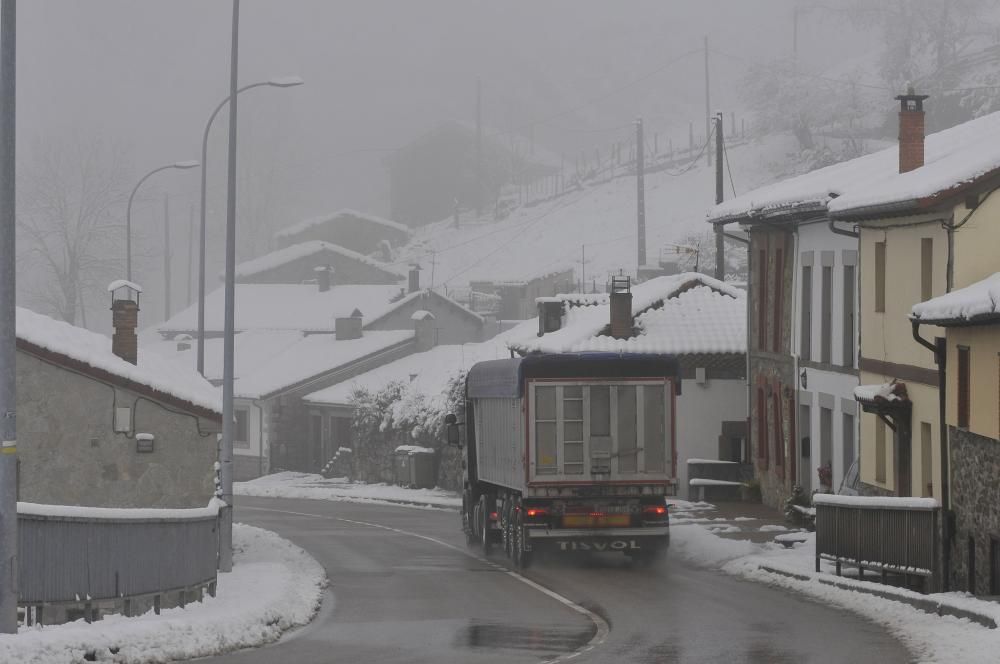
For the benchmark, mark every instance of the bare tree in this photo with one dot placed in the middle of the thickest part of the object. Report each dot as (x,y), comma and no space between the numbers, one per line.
(71,199)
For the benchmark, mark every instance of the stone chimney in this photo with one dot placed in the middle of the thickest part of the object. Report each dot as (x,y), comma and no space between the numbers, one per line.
(550,311)
(621,307)
(323,274)
(424,326)
(911,130)
(125,319)
(348,327)
(414,284)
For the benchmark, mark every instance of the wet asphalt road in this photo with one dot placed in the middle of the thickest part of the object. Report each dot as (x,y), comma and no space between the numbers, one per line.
(398,598)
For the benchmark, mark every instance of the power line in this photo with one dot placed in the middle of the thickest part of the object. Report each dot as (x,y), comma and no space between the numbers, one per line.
(694,162)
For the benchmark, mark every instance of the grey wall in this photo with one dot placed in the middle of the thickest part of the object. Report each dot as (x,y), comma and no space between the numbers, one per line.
(70,455)
(975,499)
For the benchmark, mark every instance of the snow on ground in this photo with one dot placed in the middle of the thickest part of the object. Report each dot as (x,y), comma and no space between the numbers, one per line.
(273,587)
(930,638)
(601,216)
(316,487)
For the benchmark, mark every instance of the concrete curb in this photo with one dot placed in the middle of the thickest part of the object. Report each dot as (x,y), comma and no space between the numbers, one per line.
(927,605)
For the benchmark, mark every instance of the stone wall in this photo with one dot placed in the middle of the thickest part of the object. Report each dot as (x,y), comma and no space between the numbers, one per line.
(70,455)
(975,502)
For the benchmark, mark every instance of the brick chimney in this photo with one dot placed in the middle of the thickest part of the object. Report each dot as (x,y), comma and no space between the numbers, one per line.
(414,284)
(911,130)
(125,319)
(425,329)
(348,327)
(323,274)
(621,307)
(550,311)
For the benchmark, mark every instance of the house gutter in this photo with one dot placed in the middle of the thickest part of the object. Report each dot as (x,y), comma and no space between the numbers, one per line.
(940,350)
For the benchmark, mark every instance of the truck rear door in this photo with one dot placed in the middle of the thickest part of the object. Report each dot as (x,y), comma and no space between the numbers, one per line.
(586,431)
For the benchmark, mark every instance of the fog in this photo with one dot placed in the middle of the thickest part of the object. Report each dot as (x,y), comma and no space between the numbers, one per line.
(144,76)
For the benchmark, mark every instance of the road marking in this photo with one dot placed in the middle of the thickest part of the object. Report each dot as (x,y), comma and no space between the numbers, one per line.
(600,624)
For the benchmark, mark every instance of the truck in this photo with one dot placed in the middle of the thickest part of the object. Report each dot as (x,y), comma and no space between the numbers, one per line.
(570,452)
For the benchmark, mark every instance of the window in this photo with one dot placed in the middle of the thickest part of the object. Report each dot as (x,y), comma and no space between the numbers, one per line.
(240,435)
(825,437)
(880,451)
(927,480)
(848,359)
(806,341)
(123,419)
(880,276)
(779,271)
(762,441)
(826,320)
(963,387)
(762,300)
(926,268)
(847,435)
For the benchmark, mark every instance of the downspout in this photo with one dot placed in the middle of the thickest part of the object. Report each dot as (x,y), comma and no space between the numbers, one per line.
(940,350)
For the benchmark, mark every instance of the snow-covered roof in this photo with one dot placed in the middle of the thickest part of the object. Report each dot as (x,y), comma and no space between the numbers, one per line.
(883,392)
(976,302)
(295,252)
(94,350)
(425,294)
(300,307)
(313,356)
(250,350)
(952,158)
(427,372)
(306,224)
(123,283)
(680,314)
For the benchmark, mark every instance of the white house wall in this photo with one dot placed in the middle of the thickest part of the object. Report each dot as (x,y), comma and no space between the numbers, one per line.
(833,387)
(701,410)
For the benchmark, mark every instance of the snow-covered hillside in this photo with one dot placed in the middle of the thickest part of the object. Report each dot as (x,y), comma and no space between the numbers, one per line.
(598,220)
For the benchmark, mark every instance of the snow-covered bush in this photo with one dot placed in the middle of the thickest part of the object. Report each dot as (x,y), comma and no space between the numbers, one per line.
(396,414)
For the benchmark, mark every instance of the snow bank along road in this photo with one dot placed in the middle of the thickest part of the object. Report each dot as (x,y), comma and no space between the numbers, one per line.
(404,589)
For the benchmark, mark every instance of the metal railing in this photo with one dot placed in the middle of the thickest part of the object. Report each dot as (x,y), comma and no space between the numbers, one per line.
(891,535)
(68,558)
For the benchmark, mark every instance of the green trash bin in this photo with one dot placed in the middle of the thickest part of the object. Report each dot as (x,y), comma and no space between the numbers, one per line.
(414,466)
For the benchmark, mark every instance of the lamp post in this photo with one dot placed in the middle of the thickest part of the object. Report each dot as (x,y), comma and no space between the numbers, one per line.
(182,165)
(281,82)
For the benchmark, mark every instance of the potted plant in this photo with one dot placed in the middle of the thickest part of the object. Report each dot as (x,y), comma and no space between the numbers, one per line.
(825,473)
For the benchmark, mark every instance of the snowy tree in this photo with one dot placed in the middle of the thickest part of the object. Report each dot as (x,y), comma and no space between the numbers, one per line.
(70,209)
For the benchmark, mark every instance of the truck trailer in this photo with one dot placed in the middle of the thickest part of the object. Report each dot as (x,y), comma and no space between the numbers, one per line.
(572,452)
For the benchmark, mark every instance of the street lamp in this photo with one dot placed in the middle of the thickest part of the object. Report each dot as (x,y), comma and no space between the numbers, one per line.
(182,165)
(280,82)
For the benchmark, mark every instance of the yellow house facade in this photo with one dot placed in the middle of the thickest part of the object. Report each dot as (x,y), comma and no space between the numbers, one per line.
(971,317)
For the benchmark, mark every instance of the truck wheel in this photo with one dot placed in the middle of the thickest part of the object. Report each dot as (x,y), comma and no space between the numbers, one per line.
(486,533)
(522,557)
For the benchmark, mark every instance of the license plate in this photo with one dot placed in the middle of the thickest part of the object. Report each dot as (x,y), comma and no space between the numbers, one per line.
(588,521)
(598,545)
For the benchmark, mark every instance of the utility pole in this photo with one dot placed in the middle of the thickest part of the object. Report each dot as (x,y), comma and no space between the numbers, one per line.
(190,252)
(479,146)
(228,416)
(795,34)
(166,256)
(720,238)
(640,196)
(8,329)
(708,107)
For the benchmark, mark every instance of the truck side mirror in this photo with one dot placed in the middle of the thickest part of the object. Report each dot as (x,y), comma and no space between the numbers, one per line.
(451,432)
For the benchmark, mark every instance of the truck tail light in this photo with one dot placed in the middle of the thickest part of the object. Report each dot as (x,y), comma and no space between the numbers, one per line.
(536,513)
(654,510)
(493,516)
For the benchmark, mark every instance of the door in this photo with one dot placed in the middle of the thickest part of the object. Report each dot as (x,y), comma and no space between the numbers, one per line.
(904,469)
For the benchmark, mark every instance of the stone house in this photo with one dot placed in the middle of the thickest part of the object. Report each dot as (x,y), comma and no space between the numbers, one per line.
(696,318)
(314,261)
(359,232)
(100,424)
(517,296)
(970,317)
